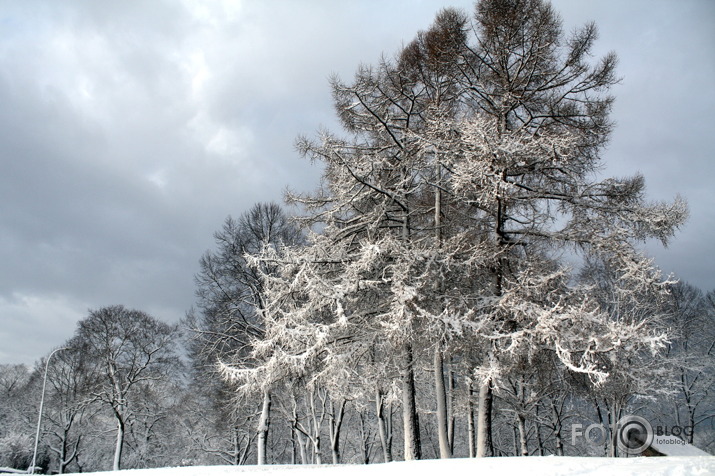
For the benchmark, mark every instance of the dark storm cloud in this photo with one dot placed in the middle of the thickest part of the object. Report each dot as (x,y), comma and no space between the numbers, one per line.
(130,130)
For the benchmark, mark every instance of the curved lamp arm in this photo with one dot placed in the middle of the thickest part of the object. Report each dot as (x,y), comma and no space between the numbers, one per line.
(42,402)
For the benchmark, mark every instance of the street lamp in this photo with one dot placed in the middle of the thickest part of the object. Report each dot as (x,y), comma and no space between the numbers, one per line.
(42,402)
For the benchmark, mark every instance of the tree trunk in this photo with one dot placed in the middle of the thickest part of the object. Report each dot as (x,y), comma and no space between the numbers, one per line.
(335,423)
(451,418)
(236,440)
(301,446)
(317,457)
(521,422)
(691,416)
(489,411)
(317,422)
(263,424)
(484,421)
(614,415)
(244,453)
(294,444)
(298,443)
(410,419)
(612,444)
(365,444)
(537,426)
(471,432)
(556,421)
(384,427)
(63,459)
(119,448)
(63,454)
(441,395)
(606,422)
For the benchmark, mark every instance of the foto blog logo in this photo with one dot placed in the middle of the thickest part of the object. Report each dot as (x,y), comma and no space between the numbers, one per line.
(633,434)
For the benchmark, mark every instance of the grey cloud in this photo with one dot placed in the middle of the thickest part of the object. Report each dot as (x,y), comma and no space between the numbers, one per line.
(130,130)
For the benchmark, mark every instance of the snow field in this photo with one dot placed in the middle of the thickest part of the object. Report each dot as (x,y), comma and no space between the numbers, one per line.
(512,466)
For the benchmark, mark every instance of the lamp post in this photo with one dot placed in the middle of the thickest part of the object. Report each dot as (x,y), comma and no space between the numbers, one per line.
(42,402)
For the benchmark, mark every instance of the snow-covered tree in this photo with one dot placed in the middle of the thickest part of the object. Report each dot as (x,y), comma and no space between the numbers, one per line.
(691,355)
(17,416)
(467,169)
(229,292)
(125,348)
(524,152)
(71,383)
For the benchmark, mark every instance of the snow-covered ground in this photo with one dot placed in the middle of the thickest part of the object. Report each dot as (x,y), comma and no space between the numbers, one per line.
(518,466)
(674,446)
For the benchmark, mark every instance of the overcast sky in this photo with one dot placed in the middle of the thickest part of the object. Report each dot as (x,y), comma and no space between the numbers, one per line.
(130,130)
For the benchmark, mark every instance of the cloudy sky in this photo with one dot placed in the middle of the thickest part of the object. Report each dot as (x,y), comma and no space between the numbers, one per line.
(130,130)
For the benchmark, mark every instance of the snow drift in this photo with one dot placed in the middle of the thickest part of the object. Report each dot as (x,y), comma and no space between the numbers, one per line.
(532,466)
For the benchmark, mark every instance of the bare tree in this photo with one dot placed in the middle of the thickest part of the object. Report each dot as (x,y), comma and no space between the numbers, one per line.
(230,292)
(17,413)
(126,348)
(71,393)
(691,352)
